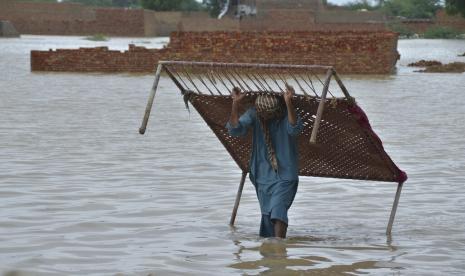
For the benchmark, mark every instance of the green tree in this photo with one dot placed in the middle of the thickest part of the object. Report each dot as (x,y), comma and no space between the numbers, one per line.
(46,1)
(412,8)
(171,5)
(214,7)
(455,7)
(105,3)
(125,3)
(360,5)
(101,3)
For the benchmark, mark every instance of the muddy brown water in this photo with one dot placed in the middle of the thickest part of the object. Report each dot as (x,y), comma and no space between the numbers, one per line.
(82,193)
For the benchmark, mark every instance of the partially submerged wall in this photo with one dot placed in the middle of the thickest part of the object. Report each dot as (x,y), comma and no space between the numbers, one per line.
(76,19)
(348,52)
(99,59)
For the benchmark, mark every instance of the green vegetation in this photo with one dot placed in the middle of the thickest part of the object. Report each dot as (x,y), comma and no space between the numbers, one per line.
(100,3)
(404,32)
(409,8)
(432,32)
(214,6)
(441,32)
(412,8)
(399,8)
(97,37)
(171,5)
(36,1)
(126,3)
(362,5)
(455,7)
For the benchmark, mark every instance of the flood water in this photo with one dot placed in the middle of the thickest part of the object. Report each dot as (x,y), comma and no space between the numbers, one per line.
(82,193)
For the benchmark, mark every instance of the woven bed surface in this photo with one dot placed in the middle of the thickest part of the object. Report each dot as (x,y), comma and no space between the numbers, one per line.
(346,146)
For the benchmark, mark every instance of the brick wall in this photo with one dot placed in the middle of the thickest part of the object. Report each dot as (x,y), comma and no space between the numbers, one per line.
(168,22)
(456,22)
(76,19)
(442,19)
(279,20)
(45,11)
(273,15)
(72,19)
(349,17)
(200,21)
(350,52)
(417,26)
(99,59)
(118,22)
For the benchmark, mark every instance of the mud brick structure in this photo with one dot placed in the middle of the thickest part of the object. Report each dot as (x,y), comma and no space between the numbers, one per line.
(272,15)
(356,52)
(72,19)
(457,22)
(442,19)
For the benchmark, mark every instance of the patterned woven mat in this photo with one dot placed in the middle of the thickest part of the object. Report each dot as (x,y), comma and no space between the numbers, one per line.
(346,146)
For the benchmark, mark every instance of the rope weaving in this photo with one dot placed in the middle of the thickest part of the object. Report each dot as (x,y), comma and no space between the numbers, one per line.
(346,146)
(345,149)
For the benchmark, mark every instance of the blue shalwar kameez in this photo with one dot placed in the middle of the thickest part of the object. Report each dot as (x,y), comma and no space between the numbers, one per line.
(275,189)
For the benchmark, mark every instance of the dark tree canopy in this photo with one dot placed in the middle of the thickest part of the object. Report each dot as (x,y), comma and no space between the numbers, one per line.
(361,5)
(402,8)
(49,1)
(412,8)
(214,7)
(103,3)
(171,5)
(125,3)
(455,7)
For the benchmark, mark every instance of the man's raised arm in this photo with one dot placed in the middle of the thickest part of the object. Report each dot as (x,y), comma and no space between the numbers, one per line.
(290,106)
(237,97)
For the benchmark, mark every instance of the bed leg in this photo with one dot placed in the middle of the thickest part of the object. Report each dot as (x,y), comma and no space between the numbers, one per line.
(394,209)
(238,199)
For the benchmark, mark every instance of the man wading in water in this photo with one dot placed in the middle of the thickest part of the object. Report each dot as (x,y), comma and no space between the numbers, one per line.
(274,161)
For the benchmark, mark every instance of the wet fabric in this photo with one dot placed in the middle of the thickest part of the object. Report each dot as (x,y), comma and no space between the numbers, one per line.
(284,139)
(268,108)
(275,189)
(266,227)
(276,198)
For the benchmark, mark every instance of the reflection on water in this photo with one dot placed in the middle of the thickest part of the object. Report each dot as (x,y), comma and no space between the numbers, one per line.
(82,193)
(281,257)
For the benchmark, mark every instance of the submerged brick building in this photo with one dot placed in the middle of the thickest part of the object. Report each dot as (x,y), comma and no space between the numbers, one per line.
(255,31)
(356,52)
(76,19)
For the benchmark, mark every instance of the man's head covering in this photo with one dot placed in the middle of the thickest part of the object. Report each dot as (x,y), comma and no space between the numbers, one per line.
(269,108)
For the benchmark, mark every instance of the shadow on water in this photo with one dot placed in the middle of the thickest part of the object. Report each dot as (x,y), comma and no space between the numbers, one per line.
(305,255)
